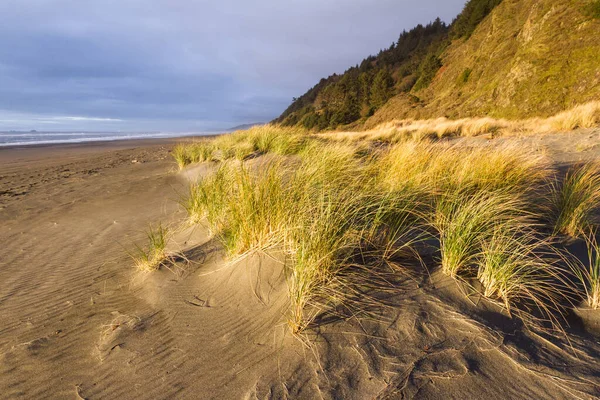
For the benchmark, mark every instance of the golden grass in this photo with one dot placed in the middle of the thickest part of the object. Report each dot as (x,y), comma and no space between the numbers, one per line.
(589,273)
(515,266)
(582,116)
(465,222)
(333,201)
(242,144)
(575,199)
(443,167)
(194,152)
(291,140)
(150,257)
(319,209)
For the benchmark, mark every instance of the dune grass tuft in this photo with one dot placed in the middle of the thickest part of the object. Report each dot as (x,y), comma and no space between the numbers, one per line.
(581,116)
(323,240)
(480,201)
(256,209)
(180,154)
(241,145)
(150,257)
(442,167)
(261,140)
(318,208)
(190,153)
(516,267)
(589,274)
(207,197)
(576,198)
(465,222)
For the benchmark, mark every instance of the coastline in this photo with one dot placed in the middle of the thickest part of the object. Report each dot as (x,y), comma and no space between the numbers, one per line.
(115,143)
(79,319)
(37,152)
(26,169)
(69,213)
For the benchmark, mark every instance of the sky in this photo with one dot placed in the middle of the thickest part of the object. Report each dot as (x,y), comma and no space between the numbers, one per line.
(183,65)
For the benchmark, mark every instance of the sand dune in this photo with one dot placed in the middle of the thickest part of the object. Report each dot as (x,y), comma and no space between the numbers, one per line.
(79,322)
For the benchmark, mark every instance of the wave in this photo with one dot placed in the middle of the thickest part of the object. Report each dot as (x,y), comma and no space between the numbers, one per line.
(61,138)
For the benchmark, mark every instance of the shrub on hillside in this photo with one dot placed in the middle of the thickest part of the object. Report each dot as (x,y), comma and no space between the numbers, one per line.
(473,13)
(427,70)
(592,9)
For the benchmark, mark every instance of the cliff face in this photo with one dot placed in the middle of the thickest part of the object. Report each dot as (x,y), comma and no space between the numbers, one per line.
(528,57)
(525,58)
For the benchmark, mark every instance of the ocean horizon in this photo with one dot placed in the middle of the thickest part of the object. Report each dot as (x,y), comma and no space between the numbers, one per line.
(23,138)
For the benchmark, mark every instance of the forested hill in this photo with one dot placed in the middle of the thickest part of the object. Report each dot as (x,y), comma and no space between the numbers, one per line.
(508,58)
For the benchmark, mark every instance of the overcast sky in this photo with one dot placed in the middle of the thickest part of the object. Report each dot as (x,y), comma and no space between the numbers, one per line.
(183,65)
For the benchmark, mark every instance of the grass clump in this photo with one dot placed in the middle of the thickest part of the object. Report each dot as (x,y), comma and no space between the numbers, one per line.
(439,168)
(232,146)
(246,209)
(181,156)
(576,198)
(207,197)
(465,222)
(589,274)
(324,239)
(190,153)
(514,268)
(151,256)
(581,116)
(592,9)
(241,145)
(480,202)
(318,208)
(278,140)
(464,76)
(256,209)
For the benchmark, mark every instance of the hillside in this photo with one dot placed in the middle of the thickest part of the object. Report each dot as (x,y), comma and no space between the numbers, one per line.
(510,59)
(243,127)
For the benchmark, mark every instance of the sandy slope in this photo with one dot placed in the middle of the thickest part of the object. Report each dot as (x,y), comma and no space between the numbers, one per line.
(77,320)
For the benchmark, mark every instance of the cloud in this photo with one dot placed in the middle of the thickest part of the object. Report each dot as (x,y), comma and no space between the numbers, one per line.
(184,65)
(85,119)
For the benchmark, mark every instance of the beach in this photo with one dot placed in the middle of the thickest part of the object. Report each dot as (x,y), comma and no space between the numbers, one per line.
(68,212)
(79,321)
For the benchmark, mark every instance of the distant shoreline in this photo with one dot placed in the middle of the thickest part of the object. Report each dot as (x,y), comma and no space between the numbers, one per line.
(36,153)
(91,141)
(137,141)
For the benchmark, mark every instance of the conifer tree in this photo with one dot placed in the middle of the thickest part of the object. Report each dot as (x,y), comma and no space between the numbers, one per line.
(382,88)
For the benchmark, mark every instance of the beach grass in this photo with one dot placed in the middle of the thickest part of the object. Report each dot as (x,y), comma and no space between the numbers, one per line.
(443,168)
(326,203)
(465,222)
(195,152)
(150,256)
(581,116)
(241,145)
(516,267)
(588,273)
(207,197)
(575,199)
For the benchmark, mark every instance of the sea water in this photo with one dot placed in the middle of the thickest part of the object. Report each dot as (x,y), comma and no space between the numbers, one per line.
(14,138)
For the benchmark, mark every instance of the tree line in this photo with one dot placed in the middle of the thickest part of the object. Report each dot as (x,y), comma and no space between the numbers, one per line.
(408,65)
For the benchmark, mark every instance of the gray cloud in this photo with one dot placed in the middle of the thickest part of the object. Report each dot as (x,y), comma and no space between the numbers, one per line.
(185,64)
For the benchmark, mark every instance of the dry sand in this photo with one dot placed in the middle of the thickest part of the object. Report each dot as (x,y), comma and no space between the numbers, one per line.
(77,321)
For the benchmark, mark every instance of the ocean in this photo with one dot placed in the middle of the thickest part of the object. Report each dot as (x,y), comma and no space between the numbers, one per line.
(14,138)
